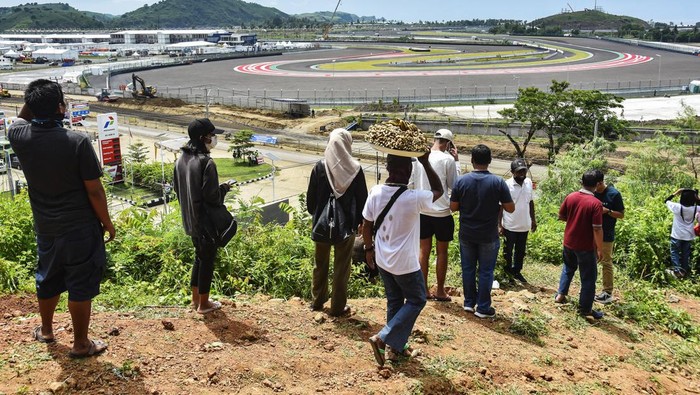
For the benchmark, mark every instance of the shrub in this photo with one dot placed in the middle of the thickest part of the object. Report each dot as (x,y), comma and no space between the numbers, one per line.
(648,307)
(17,241)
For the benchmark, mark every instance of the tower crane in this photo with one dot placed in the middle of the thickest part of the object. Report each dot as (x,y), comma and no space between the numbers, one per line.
(327,28)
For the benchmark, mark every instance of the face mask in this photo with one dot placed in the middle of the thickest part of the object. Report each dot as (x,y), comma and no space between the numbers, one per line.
(519,180)
(211,144)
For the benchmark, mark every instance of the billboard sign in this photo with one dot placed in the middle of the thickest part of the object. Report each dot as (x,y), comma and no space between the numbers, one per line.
(110,148)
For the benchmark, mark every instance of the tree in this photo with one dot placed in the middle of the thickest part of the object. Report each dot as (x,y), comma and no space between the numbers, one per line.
(137,153)
(240,146)
(564,116)
(688,120)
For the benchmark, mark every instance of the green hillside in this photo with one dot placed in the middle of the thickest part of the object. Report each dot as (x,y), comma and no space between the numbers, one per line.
(589,20)
(340,17)
(46,16)
(198,14)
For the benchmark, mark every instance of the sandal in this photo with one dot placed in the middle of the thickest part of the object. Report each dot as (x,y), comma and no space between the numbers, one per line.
(560,299)
(406,353)
(41,338)
(215,305)
(96,347)
(377,350)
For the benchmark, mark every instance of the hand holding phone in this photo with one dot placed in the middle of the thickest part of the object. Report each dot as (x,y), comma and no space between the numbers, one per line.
(231,182)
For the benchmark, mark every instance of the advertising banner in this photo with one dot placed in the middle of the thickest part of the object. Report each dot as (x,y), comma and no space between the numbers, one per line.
(110,148)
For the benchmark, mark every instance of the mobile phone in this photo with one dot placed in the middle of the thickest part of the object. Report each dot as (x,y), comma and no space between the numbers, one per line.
(232,182)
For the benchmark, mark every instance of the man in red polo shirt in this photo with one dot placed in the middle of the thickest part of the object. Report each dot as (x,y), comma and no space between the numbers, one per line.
(583,243)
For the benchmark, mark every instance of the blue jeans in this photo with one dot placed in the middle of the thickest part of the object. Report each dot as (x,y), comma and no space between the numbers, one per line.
(405,298)
(680,255)
(585,261)
(484,255)
(517,241)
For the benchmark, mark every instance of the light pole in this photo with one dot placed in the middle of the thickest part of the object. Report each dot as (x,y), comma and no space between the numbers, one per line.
(659,56)
(333,75)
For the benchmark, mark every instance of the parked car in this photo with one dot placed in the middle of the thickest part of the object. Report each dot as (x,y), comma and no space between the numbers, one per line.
(111,59)
(87,61)
(54,63)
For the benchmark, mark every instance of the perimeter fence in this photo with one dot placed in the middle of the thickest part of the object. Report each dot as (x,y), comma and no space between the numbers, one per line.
(432,96)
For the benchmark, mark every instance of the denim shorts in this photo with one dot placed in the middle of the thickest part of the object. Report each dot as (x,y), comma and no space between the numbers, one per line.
(442,227)
(74,261)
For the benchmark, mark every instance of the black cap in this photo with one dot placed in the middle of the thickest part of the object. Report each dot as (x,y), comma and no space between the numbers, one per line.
(517,165)
(202,127)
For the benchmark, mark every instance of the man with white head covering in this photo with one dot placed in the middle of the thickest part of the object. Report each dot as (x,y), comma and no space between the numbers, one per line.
(335,197)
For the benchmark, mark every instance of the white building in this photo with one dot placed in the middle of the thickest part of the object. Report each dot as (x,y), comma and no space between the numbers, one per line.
(56,53)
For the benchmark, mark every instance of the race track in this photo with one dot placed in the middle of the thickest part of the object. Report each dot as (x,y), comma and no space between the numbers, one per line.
(336,69)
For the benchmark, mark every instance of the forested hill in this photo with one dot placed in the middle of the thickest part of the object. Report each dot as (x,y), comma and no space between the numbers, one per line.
(184,14)
(340,17)
(589,20)
(180,14)
(48,16)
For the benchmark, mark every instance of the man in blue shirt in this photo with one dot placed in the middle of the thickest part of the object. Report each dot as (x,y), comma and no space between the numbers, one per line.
(479,196)
(613,209)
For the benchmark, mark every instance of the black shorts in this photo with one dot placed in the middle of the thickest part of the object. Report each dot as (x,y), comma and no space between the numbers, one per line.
(443,228)
(73,262)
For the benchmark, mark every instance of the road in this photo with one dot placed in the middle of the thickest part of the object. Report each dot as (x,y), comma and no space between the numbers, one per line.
(294,167)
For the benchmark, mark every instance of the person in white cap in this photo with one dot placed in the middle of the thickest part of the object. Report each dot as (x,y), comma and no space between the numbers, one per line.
(437,220)
(515,226)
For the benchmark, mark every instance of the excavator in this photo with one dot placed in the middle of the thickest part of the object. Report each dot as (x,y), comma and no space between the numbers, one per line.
(327,28)
(146,91)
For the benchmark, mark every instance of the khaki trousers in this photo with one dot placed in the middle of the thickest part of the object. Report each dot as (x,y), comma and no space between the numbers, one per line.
(607,265)
(341,274)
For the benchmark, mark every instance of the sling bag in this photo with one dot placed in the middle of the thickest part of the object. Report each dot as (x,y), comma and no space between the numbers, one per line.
(380,219)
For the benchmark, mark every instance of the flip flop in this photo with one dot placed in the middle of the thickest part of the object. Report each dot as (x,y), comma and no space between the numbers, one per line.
(378,352)
(215,305)
(41,338)
(346,312)
(96,347)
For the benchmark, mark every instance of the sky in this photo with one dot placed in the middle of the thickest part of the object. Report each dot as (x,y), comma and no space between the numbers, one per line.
(676,11)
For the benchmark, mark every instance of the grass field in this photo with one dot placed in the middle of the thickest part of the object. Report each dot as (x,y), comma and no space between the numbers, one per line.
(227,169)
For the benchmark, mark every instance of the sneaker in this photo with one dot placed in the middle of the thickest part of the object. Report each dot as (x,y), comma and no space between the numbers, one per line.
(604,298)
(519,277)
(469,309)
(560,299)
(490,313)
(594,313)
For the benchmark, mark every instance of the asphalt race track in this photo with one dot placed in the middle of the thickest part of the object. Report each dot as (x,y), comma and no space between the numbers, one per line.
(608,64)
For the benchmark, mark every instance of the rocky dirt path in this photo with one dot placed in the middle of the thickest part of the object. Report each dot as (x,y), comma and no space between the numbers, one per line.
(258,345)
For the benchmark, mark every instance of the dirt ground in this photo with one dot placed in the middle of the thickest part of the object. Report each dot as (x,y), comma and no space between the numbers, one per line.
(257,345)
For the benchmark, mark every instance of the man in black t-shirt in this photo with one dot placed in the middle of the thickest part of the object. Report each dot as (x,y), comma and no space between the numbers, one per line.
(70,212)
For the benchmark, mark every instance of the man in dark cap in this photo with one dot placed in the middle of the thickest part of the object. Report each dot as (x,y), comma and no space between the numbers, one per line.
(515,226)
(197,187)
(70,212)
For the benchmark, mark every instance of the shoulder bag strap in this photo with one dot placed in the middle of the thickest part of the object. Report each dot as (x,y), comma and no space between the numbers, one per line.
(380,219)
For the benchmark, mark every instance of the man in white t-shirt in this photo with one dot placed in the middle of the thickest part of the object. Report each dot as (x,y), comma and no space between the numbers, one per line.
(515,226)
(394,250)
(437,220)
